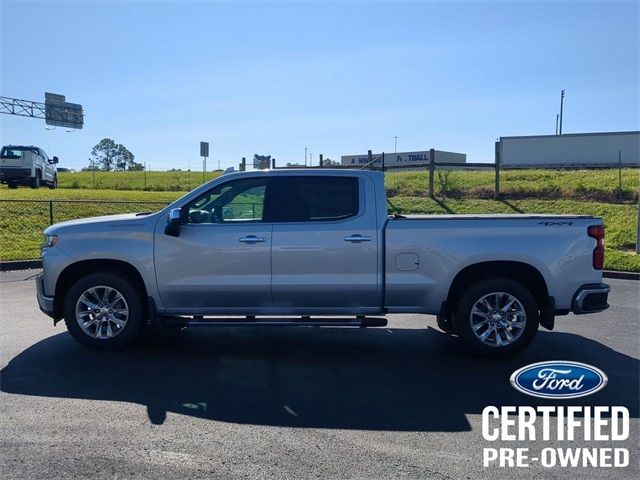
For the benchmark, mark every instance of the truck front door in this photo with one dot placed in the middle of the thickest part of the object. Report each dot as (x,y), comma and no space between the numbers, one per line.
(221,261)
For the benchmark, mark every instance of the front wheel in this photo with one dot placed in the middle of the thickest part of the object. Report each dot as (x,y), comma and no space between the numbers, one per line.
(53,185)
(103,311)
(496,317)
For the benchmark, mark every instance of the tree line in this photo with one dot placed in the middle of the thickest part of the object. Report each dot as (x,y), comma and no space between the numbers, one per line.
(109,156)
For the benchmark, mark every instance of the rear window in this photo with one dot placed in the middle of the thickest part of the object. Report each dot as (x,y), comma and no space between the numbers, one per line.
(11,152)
(311,199)
(16,152)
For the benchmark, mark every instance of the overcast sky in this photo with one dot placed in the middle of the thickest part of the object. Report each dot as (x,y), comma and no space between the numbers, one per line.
(336,77)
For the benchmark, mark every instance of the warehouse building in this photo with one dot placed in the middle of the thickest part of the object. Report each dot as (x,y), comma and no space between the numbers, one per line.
(575,150)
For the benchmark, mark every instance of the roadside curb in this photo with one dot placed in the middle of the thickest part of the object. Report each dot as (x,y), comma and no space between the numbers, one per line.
(20,265)
(621,275)
(31,264)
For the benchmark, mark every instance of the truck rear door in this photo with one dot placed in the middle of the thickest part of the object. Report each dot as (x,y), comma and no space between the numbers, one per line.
(324,252)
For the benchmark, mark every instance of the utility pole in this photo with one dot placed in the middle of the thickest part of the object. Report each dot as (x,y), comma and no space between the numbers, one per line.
(305,156)
(395,145)
(557,119)
(561,105)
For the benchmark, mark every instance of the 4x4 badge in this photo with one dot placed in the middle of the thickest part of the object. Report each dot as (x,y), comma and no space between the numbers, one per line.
(548,223)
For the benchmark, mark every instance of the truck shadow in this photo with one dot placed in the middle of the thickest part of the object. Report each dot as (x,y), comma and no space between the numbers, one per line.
(378,379)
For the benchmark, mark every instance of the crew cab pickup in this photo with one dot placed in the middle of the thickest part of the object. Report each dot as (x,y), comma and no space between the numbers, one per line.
(317,247)
(27,165)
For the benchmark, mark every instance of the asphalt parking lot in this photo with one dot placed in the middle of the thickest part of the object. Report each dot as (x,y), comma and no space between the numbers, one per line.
(396,402)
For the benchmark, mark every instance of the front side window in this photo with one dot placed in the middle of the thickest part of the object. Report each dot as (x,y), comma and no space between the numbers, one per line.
(234,201)
(311,199)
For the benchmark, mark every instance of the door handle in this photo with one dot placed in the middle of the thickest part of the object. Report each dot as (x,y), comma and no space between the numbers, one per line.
(357,238)
(252,239)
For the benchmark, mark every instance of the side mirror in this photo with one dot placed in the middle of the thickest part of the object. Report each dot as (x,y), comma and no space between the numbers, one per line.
(55,160)
(174,222)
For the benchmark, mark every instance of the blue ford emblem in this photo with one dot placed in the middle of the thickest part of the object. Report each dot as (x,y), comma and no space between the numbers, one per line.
(558,379)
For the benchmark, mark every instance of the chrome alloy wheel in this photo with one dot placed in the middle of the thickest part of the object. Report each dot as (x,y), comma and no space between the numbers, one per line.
(498,319)
(102,312)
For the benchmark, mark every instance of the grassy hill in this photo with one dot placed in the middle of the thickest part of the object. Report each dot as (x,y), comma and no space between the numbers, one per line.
(576,184)
(593,192)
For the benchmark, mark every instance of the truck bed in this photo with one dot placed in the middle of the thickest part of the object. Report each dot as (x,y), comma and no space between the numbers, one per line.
(425,252)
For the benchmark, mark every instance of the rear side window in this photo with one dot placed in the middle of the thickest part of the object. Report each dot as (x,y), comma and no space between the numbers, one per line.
(311,199)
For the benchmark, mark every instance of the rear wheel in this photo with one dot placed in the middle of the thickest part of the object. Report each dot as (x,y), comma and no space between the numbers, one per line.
(103,311)
(37,180)
(496,317)
(12,185)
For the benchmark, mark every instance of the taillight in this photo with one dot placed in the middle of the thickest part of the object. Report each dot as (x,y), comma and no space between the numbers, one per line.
(597,232)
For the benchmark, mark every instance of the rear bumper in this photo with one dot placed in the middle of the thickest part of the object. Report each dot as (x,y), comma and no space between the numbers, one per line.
(11,173)
(45,303)
(590,298)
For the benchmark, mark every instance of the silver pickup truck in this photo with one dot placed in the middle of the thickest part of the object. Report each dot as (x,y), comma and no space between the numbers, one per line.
(317,247)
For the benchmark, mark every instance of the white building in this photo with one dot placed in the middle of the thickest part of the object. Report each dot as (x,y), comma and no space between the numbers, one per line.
(400,159)
(571,150)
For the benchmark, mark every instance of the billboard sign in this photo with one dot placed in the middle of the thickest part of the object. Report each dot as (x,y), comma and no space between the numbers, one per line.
(204,149)
(60,113)
(261,162)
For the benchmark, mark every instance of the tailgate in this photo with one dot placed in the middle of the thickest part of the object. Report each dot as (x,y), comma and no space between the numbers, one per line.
(11,161)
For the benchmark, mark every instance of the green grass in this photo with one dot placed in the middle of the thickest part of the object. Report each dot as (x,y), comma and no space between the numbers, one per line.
(102,195)
(149,181)
(600,185)
(592,192)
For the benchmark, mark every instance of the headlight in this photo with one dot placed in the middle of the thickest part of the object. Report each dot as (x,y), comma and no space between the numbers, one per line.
(50,240)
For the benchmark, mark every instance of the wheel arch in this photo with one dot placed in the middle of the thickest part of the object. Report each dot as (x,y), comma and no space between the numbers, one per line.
(524,273)
(79,269)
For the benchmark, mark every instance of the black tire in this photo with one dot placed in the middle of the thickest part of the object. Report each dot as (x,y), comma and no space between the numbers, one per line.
(53,185)
(462,317)
(37,180)
(12,185)
(132,327)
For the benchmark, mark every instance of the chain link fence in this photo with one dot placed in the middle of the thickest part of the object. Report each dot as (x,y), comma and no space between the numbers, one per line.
(22,221)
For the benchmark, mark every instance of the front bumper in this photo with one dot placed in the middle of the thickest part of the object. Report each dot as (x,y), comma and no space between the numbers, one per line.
(590,298)
(46,303)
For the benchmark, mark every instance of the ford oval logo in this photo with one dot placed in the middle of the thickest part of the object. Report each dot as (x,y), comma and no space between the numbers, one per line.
(559,379)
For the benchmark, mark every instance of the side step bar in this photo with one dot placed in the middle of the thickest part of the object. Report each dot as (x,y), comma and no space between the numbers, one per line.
(276,322)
